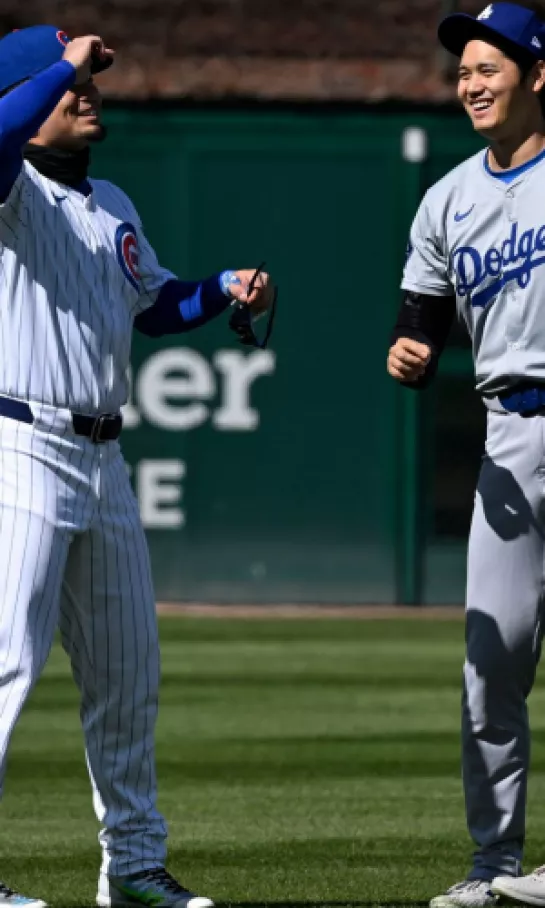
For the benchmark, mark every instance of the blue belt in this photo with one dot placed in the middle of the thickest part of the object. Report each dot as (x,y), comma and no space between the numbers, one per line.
(105,427)
(526,400)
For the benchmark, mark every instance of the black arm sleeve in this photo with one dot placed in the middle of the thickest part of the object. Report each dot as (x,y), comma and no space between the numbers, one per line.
(427,319)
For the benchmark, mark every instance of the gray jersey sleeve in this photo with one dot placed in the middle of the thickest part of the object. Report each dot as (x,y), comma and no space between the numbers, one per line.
(426,265)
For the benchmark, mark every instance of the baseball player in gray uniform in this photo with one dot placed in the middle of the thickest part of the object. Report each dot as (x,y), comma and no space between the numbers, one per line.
(76,274)
(477,246)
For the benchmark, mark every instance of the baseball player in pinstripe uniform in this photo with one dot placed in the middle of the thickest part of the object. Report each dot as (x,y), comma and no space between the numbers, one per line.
(76,273)
(477,246)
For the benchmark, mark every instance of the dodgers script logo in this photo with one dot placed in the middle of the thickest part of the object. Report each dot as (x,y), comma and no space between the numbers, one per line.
(126,246)
(515,260)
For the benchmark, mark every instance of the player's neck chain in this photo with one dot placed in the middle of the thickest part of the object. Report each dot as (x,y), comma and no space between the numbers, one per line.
(68,167)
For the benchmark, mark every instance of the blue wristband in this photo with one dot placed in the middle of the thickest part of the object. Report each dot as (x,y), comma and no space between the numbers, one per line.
(225,279)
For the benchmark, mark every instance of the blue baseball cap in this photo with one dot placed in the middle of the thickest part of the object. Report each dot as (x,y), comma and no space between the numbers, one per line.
(515,27)
(26,52)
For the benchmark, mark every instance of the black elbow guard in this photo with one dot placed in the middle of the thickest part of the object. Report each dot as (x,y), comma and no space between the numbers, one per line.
(428,320)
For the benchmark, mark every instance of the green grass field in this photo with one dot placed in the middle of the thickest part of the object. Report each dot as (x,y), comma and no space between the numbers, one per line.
(300,763)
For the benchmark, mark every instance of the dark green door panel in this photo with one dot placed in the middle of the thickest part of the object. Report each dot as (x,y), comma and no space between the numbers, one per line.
(275,475)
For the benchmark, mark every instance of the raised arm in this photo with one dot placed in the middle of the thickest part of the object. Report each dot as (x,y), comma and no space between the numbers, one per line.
(28,105)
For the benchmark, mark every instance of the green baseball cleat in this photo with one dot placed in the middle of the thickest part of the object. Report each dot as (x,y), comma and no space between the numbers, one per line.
(155,888)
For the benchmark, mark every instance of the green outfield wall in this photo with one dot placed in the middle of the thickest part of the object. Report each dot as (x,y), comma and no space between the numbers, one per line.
(299,473)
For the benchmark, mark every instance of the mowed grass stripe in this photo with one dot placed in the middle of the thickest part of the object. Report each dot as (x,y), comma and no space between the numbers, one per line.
(300,763)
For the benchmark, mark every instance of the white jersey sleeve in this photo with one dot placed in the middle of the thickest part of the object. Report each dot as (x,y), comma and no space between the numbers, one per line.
(149,273)
(426,265)
(152,273)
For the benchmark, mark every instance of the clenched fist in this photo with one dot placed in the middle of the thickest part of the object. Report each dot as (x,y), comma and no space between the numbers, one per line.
(80,51)
(407,359)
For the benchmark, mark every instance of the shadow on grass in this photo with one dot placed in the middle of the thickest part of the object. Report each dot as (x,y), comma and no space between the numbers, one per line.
(327,904)
(407,903)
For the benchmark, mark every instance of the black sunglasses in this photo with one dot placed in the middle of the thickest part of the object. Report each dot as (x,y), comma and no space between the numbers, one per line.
(242,322)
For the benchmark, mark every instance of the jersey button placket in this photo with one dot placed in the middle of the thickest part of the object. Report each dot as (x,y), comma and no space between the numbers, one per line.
(514,325)
(510,205)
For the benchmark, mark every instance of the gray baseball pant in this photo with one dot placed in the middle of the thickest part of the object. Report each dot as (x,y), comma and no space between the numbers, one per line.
(505,591)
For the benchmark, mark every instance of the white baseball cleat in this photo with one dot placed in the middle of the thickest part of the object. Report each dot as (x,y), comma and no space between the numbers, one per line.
(529,889)
(8,897)
(468,894)
(155,888)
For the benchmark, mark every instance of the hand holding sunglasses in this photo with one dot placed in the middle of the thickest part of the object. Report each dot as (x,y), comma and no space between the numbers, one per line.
(255,296)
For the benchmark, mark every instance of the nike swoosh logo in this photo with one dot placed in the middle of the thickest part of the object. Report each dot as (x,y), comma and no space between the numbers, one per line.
(463,215)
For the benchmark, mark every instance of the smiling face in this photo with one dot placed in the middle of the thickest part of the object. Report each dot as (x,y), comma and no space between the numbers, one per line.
(497,99)
(75,121)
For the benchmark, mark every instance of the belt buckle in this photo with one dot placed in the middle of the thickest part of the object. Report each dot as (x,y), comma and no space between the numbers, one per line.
(99,423)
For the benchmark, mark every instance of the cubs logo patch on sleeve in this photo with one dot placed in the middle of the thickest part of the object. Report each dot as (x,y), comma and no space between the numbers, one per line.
(126,245)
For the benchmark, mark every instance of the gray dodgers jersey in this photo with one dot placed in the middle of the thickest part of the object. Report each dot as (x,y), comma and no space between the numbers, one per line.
(485,240)
(74,273)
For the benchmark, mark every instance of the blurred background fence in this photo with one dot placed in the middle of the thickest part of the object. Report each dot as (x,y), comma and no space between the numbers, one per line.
(299,473)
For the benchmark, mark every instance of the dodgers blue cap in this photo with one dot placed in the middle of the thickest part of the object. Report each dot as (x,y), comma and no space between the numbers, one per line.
(514,26)
(26,52)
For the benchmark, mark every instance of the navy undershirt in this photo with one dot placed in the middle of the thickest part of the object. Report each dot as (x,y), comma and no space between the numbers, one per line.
(180,305)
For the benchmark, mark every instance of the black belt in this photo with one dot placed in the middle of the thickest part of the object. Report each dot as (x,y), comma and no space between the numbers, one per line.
(105,427)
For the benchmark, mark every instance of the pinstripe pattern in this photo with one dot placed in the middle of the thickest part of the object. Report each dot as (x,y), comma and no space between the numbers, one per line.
(108,615)
(72,548)
(69,518)
(64,298)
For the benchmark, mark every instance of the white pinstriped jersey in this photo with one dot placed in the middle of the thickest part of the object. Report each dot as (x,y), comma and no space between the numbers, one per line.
(74,273)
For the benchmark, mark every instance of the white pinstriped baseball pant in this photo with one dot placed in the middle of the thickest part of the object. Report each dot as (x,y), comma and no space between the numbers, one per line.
(73,555)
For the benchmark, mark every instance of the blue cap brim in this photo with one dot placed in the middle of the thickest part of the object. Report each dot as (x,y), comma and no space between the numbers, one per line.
(456,30)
